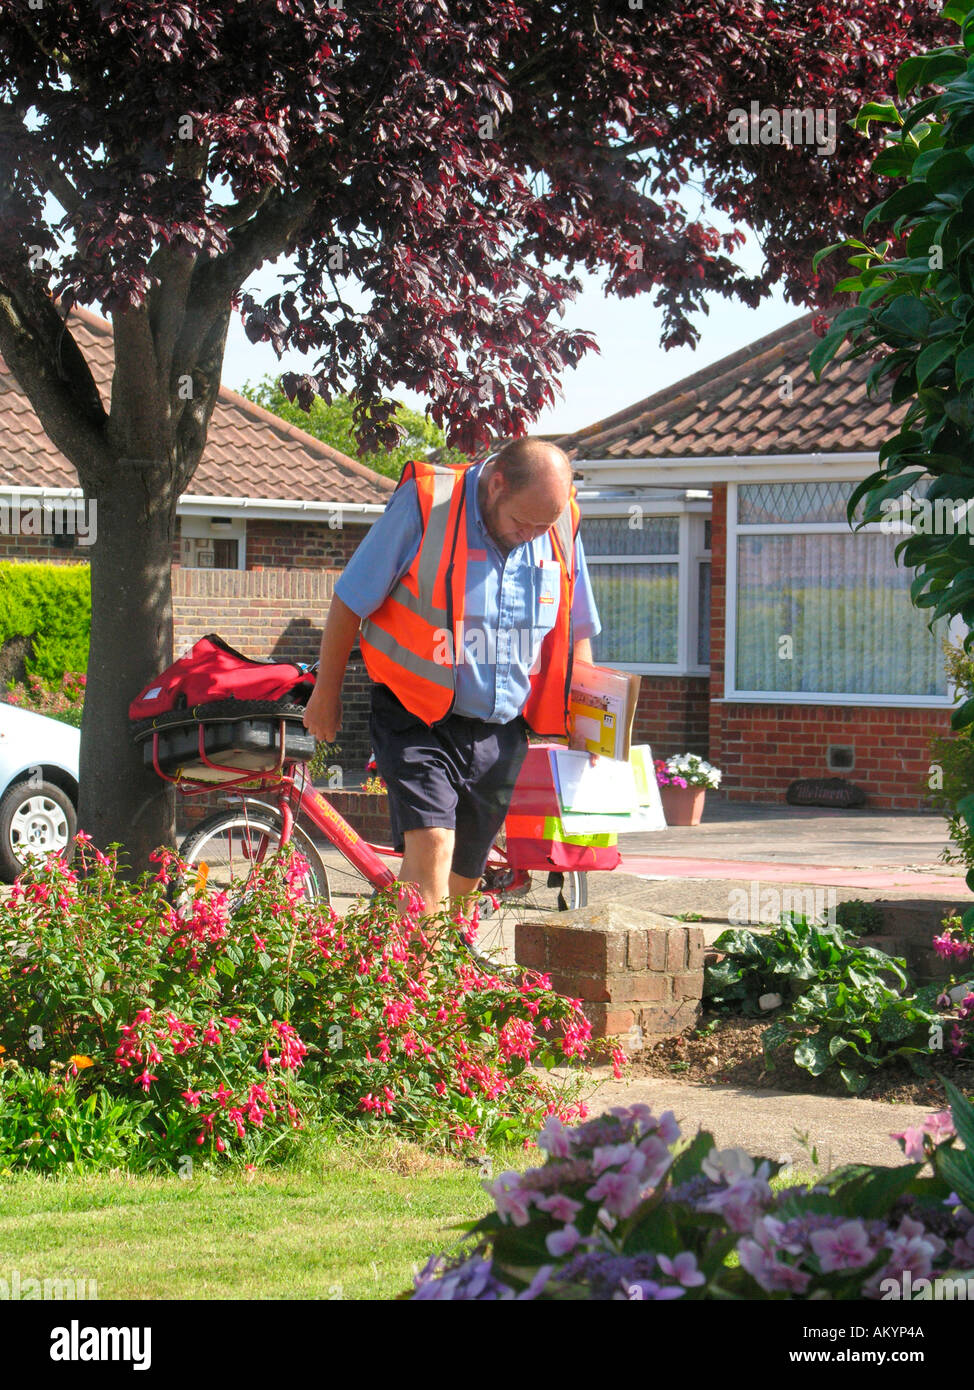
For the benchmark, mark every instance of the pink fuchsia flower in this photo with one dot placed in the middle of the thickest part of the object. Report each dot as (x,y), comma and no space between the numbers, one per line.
(559,1206)
(233,1023)
(842,1247)
(510,1199)
(146,1079)
(563,1241)
(682,1268)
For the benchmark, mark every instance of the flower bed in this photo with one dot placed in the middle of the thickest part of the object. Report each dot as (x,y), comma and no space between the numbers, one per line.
(622,1209)
(238,1027)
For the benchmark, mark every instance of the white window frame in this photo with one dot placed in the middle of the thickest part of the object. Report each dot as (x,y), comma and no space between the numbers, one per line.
(775,697)
(691,517)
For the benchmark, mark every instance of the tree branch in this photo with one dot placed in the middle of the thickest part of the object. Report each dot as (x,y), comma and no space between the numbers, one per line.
(52,371)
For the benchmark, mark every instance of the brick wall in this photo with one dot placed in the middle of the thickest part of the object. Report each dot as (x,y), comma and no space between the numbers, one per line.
(762,747)
(672,715)
(300,544)
(277,613)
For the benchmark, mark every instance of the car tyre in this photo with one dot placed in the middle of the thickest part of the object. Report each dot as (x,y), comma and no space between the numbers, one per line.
(41,816)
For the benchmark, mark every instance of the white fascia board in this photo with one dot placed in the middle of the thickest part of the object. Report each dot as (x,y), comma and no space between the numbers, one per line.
(704,472)
(198,504)
(619,504)
(276,509)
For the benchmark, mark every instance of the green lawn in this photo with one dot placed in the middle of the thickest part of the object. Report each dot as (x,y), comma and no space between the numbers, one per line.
(350,1226)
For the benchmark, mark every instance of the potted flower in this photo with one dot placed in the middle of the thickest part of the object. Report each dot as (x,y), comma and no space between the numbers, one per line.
(683,782)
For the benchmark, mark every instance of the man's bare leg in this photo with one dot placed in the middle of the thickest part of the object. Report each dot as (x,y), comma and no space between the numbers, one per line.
(426,862)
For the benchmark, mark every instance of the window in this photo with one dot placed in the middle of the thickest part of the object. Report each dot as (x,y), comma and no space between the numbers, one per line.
(212,543)
(640,566)
(815,609)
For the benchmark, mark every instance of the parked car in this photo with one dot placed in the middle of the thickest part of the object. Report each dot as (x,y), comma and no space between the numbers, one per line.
(38,786)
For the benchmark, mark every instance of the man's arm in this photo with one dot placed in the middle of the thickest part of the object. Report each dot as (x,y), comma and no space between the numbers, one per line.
(583,649)
(323,714)
(374,570)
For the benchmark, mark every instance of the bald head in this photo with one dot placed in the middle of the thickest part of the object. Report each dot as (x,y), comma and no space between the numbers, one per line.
(534,463)
(524,490)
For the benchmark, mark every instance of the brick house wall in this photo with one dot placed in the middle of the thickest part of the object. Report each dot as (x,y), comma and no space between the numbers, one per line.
(672,715)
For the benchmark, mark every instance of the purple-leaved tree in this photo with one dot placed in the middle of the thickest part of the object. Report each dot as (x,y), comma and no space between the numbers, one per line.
(453,159)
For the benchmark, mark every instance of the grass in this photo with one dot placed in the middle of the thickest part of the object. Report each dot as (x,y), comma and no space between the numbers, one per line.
(350,1225)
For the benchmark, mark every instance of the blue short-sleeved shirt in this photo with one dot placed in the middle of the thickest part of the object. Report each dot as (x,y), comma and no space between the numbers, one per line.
(511,601)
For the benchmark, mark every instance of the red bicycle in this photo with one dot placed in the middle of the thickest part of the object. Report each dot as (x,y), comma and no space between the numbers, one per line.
(227,848)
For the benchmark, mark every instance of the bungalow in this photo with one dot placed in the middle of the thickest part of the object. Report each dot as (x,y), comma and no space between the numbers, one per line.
(772,638)
(272,519)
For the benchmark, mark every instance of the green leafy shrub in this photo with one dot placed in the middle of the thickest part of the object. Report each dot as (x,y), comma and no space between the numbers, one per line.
(788,961)
(838,1008)
(48,1122)
(854,1028)
(52,605)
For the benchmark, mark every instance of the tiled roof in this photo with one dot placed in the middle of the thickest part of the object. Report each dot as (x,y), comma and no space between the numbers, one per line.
(735,408)
(249,452)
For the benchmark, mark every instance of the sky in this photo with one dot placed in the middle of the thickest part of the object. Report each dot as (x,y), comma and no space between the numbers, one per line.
(630,365)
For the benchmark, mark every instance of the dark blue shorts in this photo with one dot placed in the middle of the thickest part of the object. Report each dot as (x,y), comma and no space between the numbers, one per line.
(458,773)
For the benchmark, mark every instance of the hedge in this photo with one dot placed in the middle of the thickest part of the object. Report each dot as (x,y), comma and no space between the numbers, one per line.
(52,605)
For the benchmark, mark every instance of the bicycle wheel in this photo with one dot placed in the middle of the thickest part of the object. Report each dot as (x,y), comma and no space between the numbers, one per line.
(227,845)
(545,894)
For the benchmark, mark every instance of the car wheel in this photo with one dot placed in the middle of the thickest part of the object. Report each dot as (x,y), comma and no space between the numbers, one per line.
(33,820)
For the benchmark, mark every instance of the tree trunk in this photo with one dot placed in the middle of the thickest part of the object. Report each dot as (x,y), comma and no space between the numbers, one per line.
(131,641)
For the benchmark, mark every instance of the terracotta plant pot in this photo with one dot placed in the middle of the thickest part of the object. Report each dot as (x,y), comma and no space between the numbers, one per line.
(682,805)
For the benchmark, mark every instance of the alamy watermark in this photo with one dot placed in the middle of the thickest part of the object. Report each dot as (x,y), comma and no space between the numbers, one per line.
(789,126)
(752,905)
(15,1287)
(42,515)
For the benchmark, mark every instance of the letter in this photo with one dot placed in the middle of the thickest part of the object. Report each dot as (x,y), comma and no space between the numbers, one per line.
(443,649)
(31,521)
(924,524)
(737,126)
(59,1288)
(830,129)
(473,646)
(794,899)
(770,907)
(141,1348)
(30,1288)
(86,521)
(119,1339)
(889,1289)
(89,1346)
(770,126)
(943,516)
(801,124)
(60,1339)
(737,913)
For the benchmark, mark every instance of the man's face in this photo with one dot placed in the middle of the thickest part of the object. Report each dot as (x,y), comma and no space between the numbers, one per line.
(514,518)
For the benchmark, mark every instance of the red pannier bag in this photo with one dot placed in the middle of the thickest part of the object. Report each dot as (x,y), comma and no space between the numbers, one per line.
(535,837)
(212,672)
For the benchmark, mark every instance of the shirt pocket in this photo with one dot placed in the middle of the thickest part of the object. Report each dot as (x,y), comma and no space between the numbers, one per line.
(546,596)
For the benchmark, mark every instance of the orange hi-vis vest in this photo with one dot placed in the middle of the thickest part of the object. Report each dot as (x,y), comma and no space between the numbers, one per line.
(410,642)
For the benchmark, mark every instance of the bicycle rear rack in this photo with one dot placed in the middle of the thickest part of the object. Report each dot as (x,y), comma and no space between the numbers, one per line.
(190,786)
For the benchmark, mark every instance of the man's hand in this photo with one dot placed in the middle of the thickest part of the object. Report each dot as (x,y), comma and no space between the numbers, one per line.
(323,714)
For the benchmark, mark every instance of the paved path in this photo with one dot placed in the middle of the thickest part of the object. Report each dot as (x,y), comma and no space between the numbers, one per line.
(767,1123)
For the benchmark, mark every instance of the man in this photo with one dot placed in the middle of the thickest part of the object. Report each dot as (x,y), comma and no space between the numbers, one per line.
(474,596)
